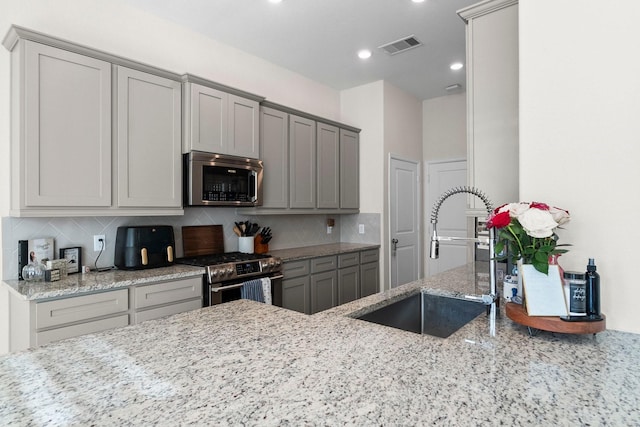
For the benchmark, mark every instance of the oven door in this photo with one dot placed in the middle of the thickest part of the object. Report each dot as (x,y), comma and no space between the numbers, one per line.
(219,293)
(217,180)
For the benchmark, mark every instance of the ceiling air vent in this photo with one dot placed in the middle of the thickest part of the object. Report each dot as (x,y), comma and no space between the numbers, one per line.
(401,45)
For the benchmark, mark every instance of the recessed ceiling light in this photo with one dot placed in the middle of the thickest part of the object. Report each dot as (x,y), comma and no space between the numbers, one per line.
(456,66)
(275,1)
(417,1)
(364,54)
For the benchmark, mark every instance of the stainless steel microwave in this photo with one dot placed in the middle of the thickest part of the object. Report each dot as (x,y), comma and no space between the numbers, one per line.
(221,180)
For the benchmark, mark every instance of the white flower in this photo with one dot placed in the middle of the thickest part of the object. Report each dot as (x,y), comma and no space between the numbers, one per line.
(517,209)
(537,223)
(559,215)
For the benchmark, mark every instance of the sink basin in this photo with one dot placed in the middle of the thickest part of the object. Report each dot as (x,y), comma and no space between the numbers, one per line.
(429,314)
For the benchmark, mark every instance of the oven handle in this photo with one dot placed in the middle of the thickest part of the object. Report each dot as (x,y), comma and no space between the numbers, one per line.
(226,288)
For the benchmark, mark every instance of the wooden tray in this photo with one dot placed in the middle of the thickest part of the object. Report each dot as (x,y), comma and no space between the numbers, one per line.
(518,314)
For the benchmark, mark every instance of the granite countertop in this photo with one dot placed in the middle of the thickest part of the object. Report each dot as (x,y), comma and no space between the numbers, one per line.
(306,252)
(77,284)
(245,363)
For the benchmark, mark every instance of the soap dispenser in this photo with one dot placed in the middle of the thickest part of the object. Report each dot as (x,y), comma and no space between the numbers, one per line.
(593,292)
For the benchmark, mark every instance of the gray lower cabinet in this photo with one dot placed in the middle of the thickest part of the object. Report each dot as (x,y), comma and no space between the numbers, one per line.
(323,291)
(348,277)
(311,286)
(296,292)
(369,273)
(35,323)
(165,298)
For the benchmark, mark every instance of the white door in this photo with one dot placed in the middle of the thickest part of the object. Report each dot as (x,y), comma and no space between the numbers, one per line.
(452,219)
(404,221)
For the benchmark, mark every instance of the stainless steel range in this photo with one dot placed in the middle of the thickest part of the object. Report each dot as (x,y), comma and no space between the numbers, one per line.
(226,272)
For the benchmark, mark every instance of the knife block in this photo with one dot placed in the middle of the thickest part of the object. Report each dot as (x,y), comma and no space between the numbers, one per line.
(259,247)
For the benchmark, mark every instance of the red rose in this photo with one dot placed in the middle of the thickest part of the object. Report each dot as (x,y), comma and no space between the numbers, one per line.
(541,206)
(499,220)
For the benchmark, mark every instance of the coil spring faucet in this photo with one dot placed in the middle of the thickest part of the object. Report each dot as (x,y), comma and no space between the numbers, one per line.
(434,251)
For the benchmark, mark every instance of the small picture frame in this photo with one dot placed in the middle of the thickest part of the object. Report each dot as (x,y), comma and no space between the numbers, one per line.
(74,258)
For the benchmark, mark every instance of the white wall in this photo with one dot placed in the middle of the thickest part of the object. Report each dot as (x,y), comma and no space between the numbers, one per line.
(444,127)
(402,139)
(579,132)
(362,107)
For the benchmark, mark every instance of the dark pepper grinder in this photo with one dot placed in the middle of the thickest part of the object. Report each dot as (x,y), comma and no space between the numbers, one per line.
(593,292)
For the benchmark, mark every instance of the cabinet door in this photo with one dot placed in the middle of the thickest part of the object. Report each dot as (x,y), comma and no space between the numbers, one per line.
(369,279)
(349,170)
(244,116)
(149,140)
(67,128)
(324,288)
(348,284)
(302,162)
(207,119)
(274,153)
(328,158)
(296,294)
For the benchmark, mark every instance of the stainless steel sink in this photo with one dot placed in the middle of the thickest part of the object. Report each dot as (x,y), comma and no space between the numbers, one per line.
(425,313)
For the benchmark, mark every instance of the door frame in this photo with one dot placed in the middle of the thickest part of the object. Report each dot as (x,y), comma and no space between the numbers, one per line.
(419,215)
(430,199)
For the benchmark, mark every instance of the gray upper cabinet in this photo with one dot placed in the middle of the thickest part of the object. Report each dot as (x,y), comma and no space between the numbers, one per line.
(220,122)
(205,118)
(274,153)
(349,169)
(92,133)
(302,162)
(311,165)
(149,140)
(328,162)
(244,125)
(61,126)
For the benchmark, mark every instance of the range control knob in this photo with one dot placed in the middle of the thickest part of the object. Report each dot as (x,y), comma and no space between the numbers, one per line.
(229,271)
(264,264)
(214,273)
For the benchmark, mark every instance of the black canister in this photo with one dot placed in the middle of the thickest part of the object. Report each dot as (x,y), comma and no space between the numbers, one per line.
(575,291)
(593,292)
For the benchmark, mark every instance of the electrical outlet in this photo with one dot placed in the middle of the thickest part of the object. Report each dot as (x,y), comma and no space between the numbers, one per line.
(97,244)
(361,228)
(329,229)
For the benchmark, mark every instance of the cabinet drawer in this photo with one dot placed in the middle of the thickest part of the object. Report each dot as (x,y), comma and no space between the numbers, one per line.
(325,263)
(296,269)
(58,334)
(167,292)
(77,309)
(167,310)
(348,260)
(369,256)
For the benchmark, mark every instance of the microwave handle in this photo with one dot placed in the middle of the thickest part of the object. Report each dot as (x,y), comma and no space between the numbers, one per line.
(253,182)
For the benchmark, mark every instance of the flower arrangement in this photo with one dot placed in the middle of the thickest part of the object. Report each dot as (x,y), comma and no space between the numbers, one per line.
(527,231)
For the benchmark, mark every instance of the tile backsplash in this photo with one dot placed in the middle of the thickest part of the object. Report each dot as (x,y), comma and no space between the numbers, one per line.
(288,230)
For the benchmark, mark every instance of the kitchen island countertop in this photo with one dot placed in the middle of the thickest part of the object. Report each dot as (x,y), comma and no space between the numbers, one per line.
(252,364)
